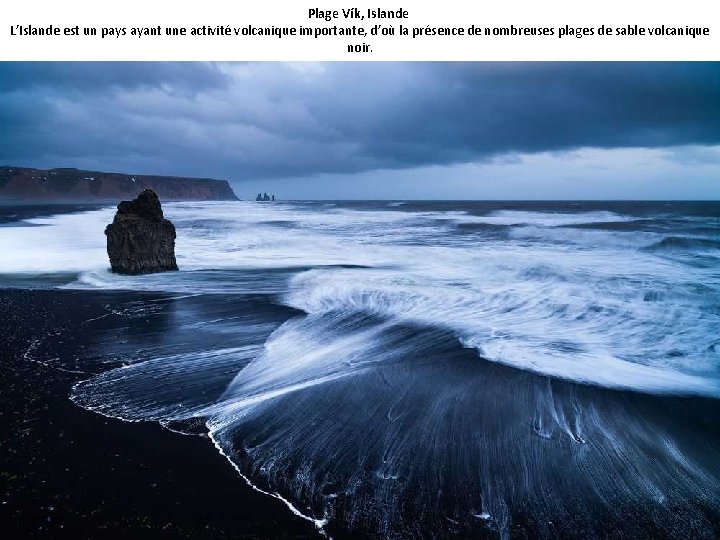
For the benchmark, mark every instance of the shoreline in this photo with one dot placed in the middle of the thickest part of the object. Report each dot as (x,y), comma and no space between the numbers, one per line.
(66,472)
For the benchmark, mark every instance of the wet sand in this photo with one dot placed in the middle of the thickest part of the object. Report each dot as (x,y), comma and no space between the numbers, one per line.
(68,473)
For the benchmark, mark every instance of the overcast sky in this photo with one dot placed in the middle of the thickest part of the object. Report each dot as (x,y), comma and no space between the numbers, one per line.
(378,130)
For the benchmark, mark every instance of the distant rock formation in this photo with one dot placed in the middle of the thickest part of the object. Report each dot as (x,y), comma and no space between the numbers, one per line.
(74,185)
(140,240)
(264,197)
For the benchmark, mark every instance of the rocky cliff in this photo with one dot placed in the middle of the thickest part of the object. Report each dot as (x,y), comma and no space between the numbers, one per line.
(18,183)
(140,240)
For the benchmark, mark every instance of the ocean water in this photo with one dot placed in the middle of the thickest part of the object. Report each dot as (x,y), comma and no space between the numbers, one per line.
(431,369)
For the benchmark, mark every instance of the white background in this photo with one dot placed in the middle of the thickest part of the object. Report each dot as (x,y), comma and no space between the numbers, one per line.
(555,13)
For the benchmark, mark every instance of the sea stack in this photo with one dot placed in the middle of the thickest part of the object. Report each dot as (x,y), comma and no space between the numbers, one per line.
(140,240)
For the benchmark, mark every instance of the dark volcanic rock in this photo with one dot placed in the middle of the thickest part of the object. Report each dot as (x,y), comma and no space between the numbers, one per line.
(140,240)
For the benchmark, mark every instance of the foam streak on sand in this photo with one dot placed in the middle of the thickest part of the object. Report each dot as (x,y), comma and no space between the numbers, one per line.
(319,523)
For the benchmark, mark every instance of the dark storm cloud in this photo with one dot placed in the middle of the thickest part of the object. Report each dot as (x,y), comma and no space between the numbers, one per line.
(102,76)
(261,120)
(463,112)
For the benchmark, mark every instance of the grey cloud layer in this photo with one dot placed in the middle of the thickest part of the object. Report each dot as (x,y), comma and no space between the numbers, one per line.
(261,120)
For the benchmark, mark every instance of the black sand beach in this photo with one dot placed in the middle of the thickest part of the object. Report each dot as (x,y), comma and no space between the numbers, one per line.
(394,374)
(68,473)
